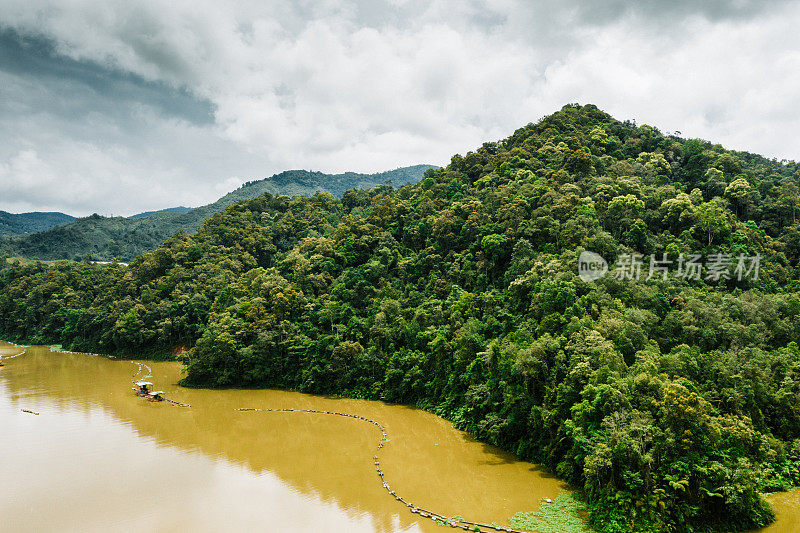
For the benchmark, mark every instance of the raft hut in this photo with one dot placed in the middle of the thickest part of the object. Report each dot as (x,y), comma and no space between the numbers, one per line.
(155,396)
(143,390)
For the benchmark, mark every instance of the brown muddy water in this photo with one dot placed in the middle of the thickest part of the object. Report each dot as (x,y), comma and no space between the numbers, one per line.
(99,458)
(787,510)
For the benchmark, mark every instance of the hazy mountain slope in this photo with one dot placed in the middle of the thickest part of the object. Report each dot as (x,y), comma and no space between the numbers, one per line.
(105,238)
(101,237)
(306,183)
(22,223)
(180,210)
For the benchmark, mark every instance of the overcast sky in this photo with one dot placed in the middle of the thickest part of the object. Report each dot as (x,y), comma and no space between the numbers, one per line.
(121,106)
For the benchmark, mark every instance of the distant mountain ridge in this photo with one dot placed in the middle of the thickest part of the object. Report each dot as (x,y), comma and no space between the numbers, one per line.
(106,238)
(23,223)
(180,209)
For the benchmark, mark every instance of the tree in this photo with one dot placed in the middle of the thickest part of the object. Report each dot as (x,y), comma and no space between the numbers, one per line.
(739,192)
(714,182)
(622,210)
(655,163)
(579,161)
(495,245)
(789,198)
(712,220)
(678,212)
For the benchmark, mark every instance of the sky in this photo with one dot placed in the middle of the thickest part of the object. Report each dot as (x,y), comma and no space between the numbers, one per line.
(123,106)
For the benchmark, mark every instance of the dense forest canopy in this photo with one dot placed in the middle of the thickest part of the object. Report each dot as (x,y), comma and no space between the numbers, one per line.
(22,223)
(106,238)
(673,402)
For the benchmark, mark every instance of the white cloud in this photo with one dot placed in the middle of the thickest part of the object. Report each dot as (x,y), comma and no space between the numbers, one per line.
(228,185)
(367,86)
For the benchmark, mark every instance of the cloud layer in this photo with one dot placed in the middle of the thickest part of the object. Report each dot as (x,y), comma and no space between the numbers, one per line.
(122,106)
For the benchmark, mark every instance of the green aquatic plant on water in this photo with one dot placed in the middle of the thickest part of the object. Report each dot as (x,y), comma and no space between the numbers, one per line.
(449,521)
(561,515)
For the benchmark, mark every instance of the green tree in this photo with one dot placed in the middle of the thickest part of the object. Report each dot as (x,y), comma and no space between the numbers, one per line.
(622,210)
(712,220)
(739,191)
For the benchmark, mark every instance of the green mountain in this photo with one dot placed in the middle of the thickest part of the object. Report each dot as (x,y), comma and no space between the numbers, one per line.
(23,223)
(106,238)
(668,393)
(180,210)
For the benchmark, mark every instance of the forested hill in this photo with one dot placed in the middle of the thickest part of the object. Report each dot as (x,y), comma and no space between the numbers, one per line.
(673,400)
(22,223)
(106,238)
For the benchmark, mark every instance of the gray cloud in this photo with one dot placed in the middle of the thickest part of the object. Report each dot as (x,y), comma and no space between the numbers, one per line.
(35,58)
(660,11)
(121,106)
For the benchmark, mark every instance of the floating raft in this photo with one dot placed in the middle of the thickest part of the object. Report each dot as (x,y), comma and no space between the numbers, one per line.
(140,386)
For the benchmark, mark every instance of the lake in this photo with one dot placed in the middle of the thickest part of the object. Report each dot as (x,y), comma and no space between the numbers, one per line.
(99,458)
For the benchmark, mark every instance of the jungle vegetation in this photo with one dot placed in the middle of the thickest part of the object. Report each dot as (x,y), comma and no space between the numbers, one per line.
(673,403)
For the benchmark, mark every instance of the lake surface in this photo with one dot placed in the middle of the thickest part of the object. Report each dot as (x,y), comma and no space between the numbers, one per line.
(787,509)
(99,458)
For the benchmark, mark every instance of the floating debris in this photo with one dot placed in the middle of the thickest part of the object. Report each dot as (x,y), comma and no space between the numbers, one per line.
(29,411)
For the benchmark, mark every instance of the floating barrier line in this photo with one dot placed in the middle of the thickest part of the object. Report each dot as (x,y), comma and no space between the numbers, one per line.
(24,350)
(179,404)
(13,356)
(139,371)
(466,525)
